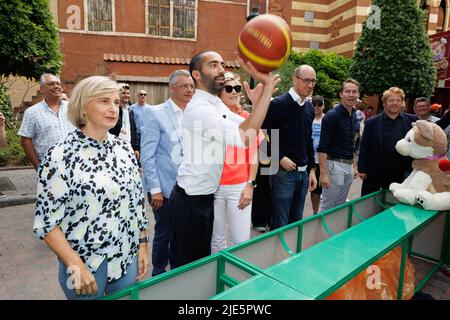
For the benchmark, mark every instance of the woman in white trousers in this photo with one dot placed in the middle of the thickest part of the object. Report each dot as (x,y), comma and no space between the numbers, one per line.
(234,195)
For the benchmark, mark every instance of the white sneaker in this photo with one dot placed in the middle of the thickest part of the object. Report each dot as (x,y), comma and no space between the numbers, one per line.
(260,229)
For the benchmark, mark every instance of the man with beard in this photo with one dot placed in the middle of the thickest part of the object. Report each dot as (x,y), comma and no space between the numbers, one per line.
(125,127)
(46,122)
(208,126)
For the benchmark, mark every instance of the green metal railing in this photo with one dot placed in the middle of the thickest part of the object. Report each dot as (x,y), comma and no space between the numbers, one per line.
(290,241)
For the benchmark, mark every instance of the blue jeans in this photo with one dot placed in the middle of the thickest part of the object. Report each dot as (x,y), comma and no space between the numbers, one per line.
(101,278)
(288,190)
(161,255)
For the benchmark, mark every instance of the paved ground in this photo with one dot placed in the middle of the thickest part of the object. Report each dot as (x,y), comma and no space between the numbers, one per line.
(28,268)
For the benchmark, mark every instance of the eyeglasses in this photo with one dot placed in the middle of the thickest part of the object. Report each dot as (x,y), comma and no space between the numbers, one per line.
(236,88)
(125,86)
(186,86)
(142,94)
(54,84)
(307,81)
(318,105)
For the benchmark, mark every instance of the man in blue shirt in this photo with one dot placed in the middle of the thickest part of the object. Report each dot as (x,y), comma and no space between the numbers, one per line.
(137,113)
(337,146)
(292,114)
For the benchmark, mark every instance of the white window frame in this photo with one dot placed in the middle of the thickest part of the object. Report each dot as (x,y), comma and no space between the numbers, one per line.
(249,10)
(86,18)
(171,23)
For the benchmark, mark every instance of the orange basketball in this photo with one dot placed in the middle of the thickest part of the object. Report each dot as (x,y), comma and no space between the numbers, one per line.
(266,41)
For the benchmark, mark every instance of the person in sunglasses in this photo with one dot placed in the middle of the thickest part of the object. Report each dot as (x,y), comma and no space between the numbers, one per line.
(207,127)
(319,105)
(233,197)
(292,114)
(136,111)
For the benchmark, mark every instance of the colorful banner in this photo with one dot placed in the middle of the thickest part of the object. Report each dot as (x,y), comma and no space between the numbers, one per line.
(441,55)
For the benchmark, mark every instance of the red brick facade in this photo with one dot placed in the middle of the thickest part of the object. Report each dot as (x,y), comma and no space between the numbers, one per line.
(129,54)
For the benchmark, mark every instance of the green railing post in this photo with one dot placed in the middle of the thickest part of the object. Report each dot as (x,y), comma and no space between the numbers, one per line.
(299,238)
(445,252)
(350,215)
(220,286)
(284,245)
(405,249)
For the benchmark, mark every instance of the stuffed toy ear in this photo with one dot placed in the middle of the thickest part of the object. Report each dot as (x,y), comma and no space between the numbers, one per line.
(425,128)
(444,165)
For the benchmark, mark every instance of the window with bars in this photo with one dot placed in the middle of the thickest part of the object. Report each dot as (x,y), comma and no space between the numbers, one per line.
(100,15)
(172,18)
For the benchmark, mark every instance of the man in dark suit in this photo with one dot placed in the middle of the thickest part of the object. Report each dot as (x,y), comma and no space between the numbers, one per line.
(379,163)
(126,127)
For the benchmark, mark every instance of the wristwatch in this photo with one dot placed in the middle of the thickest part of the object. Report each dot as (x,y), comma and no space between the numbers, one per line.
(144,239)
(252,183)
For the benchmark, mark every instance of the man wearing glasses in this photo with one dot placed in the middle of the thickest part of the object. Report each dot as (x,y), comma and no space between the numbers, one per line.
(46,122)
(136,109)
(292,114)
(161,156)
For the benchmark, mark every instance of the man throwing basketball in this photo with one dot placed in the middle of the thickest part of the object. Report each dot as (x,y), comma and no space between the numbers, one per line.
(208,126)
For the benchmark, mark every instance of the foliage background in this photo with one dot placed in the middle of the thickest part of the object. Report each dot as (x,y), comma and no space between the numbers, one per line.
(396,52)
(13,154)
(331,71)
(28,39)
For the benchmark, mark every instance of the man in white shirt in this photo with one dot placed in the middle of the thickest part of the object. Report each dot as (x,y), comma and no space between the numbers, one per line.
(208,126)
(422,109)
(45,123)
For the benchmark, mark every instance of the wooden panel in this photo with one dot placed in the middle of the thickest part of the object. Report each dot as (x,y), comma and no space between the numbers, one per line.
(157,92)
(100,15)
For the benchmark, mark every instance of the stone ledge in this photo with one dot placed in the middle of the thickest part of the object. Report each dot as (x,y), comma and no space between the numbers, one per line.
(10,201)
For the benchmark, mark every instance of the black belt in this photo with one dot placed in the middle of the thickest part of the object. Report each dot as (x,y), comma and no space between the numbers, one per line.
(179,189)
(347,161)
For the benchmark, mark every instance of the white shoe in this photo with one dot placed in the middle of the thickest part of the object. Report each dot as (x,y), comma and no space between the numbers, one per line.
(260,229)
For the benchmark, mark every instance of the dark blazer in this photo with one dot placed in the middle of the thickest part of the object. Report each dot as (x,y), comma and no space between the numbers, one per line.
(116,130)
(294,124)
(371,149)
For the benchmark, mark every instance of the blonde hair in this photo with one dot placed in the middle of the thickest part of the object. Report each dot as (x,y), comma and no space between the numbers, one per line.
(393,91)
(86,90)
(232,76)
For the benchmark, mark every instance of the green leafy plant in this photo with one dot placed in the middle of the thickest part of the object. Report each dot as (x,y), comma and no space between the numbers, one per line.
(5,102)
(28,39)
(395,51)
(331,70)
(13,154)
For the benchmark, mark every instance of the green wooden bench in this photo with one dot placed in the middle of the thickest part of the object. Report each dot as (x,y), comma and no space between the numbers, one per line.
(326,266)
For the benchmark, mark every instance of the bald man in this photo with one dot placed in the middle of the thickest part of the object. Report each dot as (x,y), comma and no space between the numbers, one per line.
(292,113)
(137,113)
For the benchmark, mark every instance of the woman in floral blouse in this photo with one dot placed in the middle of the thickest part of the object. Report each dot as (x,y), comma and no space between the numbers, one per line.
(90,206)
